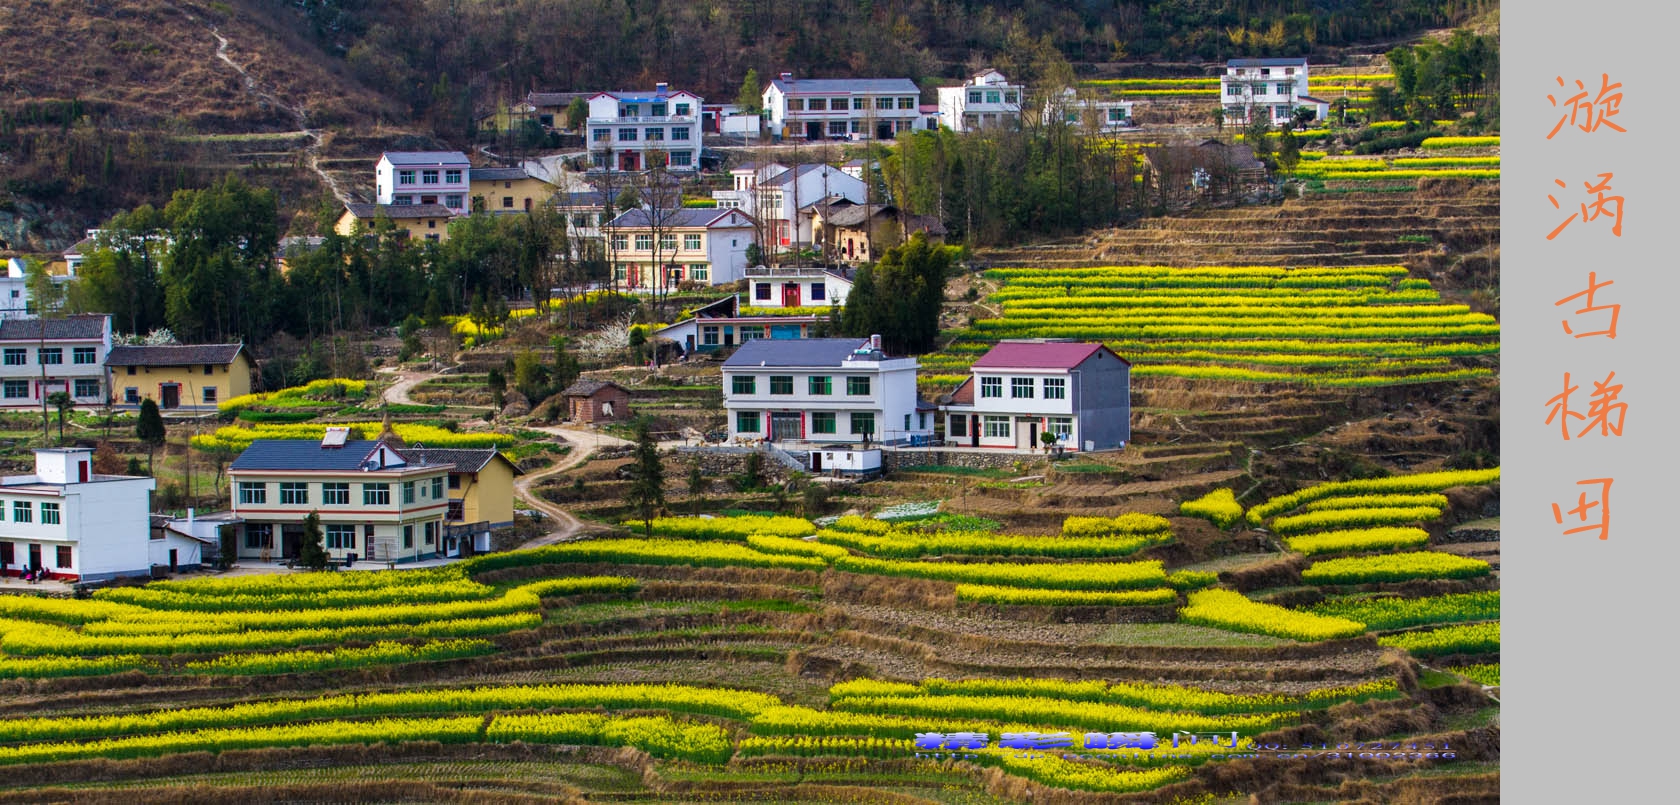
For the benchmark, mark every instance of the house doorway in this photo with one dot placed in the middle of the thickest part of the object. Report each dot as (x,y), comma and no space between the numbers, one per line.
(629,161)
(790,294)
(291,536)
(787,426)
(813,131)
(34,557)
(974,430)
(174,558)
(883,131)
(816,461)
(171,394)
(1026,433)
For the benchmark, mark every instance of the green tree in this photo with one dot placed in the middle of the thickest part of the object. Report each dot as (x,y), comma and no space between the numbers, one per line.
(577,114)
(311,552)
(497,383)
(62,401)
(530,377)
(1257,135)
(751,96)
(647,480)
(900,297)
(1289,151)
(149,430)
(697,483)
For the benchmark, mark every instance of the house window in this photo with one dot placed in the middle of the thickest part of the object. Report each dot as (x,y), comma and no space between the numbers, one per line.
(1234,90)
(906,103)
(796,104)
(974,96)
(860,103)
(402,201)
(691,242)
(16,389)
(863,423)
(452,176)
(407,492)
(761,291)
(744,384)
(408,536)
(49,516)
(19,357)
(656,110)
(52,357)
(437,488)
(817,104)
(654,134)
(84,355)
(883,103)
(600,135)
(997,427)
(837,127)
(454,481)
(991,387)
(620,272)
(1283,89)
(209,395)
(87,388)
(1021,388)
(818,291)
(958,425)
(294,494)
(63,552)
(131,395)
(1011,97)
(627,135)
(709,335)
(1055,388)
(746,421)
(620,242)
(1116,115)
(644,243)
(679,132)
(1062,426)
(752,333)
(253,492)
(335,494)
(405,177)
(993,96)
(259,535)
(668,243)
(22,511)
(857,387)
(429,177)
(431,532)
(457,511)
(821,385)
(683,111)
(433,238)
(376,494)
(682,159)
(340,536)
(454,201)
(507,202)
(857,127)
(781,384)
(822,421)
(209,368)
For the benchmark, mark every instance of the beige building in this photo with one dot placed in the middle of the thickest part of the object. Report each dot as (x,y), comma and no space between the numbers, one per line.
(480,495)
(180,376)
(418,222)
(373,500)
(501,190)
(861,233)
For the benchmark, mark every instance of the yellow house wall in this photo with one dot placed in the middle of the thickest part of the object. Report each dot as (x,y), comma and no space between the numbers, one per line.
(488,497)
(229,380)
(492,193)
(416,228)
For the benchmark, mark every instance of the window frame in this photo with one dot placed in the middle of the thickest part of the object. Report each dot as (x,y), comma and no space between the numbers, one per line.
(376,494)
(742,418)
(1055,388)
(819,418)
(820,385)
(781,385)
(91,354)
(50,513)
(335,493)
(253,493)
(81,384)
(297,490)
(991,387)
(995,427)
(56,353)
(861,417)
(737,386)
(1022,388)
(858,386)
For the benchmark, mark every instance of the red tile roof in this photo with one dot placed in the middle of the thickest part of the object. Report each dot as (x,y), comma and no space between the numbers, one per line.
(1031,355)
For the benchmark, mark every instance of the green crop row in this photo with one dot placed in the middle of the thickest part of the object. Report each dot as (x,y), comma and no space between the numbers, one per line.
(1417,483)
(1353,518)
(53,666)
(1471,638)
(910,545)
(1219,507)
(1176,698)
(1365,539)
(731,528)
(1068,576)
(1063,713)
(1224,609)
(1434,499)
(656,735)
(796,547)
(644,552)
(989,594)
(1398,613)
(1394,567)
(43,639)
(384,653)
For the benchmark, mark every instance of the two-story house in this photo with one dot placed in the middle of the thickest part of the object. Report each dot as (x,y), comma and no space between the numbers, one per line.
(787,198)
(987,101)
(505,190)
(744,181)
(707,246)
(186,376)
(1102,115)
(1021,389)
(848,108)
(425,177)
(720,325)
(822,390)
(480,494)
(1272,87)
(77,525)
(624,127)
(373,500)
(42,356)
(798,286)
(420,223)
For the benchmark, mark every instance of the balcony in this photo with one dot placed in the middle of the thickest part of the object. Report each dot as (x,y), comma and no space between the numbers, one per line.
(633,121)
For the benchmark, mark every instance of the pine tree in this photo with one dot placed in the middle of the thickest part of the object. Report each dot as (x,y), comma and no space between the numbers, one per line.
(311,553)
(149,429)
(647,484)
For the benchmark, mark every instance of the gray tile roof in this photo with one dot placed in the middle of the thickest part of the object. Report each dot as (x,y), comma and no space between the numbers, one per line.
(499,174)
(682,217)
(305,454)
(792,352)
(459,459)
(92,327)
(371,211)
(584,387)
(426,157)
(789,175)
(816,85)
(554,98)
(173,355)
(1296,61)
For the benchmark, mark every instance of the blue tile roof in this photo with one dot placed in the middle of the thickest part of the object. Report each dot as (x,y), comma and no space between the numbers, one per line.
(305,454)
(812,352)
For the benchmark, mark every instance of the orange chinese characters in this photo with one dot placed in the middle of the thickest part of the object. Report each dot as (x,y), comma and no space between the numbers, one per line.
(1606,105)
(1584,507)
(1591,211)
(1604,410)
(1592,289)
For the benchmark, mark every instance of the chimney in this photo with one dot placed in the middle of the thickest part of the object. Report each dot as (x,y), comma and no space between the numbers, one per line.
(190,517)
(661,88)
(787,76)
(875,342)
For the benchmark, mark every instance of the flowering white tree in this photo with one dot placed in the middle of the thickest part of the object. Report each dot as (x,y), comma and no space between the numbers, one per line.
(609,342)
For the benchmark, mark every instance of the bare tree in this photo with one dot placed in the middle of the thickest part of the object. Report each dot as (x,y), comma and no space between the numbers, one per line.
(662,205)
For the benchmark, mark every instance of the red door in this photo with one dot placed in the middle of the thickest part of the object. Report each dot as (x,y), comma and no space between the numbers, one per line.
(790,294)
(629,161)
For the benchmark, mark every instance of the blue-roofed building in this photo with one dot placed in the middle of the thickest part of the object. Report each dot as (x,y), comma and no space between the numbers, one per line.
(630,131)
(842,108)
(375,501)
(822,391)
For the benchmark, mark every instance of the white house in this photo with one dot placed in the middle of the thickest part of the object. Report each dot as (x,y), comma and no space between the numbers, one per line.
(987,101)
(720,325)
(186,543)
(73,523)
(798,286)
(1021,389)
(372,500)
(425,177)
(1270,86)
(707,246)
(744,181)
(625,126)
(782,196)
(828,390)
(1106,115)
(847,108)
(41,356)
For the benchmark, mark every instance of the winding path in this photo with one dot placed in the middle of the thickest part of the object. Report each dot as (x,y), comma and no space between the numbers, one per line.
(568,527)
